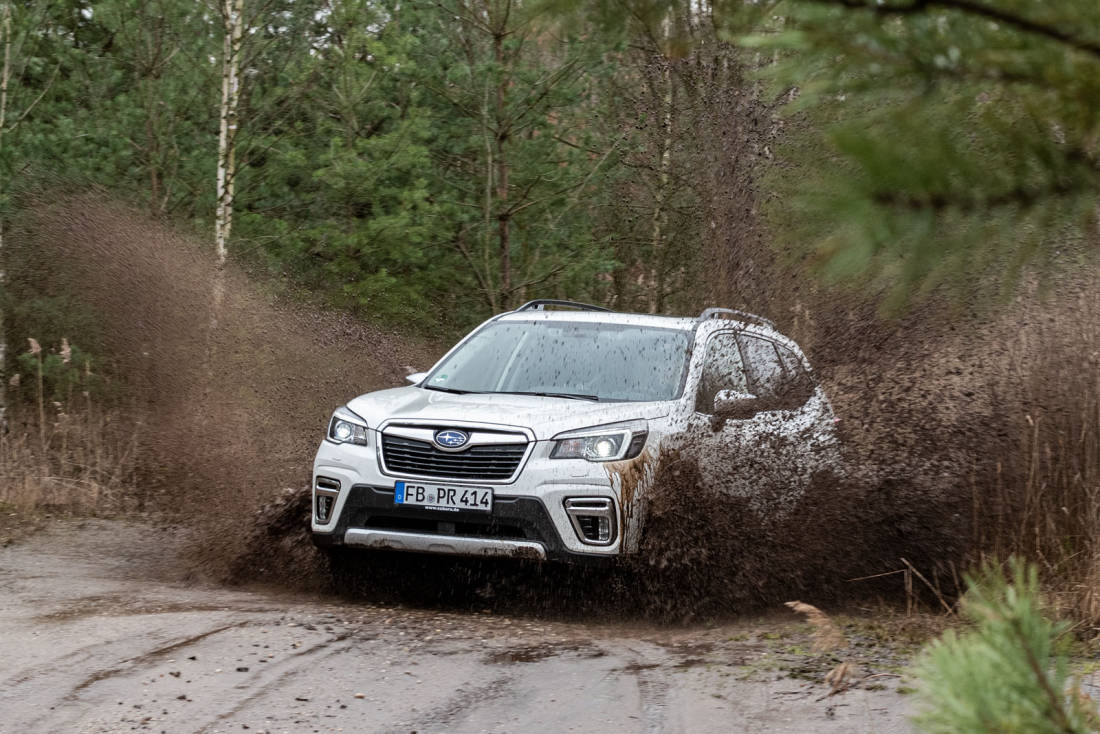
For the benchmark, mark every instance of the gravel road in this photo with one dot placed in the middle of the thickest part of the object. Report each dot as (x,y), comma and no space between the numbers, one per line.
(100,632)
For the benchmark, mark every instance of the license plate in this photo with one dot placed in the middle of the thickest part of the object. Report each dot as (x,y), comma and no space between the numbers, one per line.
(435,497)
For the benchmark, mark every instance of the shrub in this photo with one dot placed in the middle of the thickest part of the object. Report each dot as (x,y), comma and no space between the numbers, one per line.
(1010,671)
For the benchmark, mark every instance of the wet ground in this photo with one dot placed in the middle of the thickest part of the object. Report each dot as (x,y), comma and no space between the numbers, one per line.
(101,633)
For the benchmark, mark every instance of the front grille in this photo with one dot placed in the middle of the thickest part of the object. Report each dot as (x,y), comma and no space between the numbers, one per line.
(493,461)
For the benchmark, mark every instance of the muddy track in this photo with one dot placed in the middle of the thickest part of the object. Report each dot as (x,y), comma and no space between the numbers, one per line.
(104,632)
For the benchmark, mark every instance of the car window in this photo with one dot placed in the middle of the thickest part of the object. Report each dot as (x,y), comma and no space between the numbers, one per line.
(615,362)
(799,385)
(775,373)
(723,369)
(766,375)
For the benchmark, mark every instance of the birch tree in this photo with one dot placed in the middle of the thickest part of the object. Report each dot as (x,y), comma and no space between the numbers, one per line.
(233,26)
(233,30)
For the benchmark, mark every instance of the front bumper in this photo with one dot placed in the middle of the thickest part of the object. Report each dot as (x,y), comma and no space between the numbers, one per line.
(519,527)
(528,519)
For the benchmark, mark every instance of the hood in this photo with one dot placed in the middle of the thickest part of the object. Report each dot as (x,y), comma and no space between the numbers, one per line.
(547,417)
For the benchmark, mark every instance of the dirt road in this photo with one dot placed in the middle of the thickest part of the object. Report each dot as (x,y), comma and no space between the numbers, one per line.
(99,633)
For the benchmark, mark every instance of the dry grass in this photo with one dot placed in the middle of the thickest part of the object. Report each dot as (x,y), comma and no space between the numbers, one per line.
(68,455)
(1044,502)
(827,637)
(88,463)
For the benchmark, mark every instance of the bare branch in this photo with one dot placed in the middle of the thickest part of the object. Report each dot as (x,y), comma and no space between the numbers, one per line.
(486,287)
(474,23)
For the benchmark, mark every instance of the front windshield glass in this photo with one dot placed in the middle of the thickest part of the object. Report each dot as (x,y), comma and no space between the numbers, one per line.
(572,359)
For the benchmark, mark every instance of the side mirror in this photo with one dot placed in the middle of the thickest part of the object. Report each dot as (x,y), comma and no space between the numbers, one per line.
(734,404)
(416,377)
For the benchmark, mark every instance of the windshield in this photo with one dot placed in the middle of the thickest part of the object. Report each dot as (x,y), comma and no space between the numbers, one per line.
(583,360)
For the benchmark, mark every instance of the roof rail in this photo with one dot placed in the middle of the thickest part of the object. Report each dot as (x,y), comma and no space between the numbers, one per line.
(711,313)
(540,304)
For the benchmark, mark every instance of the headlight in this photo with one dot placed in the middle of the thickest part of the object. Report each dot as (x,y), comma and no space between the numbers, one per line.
(347,427)
(602,443)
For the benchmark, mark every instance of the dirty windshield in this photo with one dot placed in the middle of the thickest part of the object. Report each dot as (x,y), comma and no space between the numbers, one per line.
(612,362)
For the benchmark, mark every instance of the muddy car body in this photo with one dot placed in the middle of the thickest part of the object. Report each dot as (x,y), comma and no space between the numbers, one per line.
(538,435)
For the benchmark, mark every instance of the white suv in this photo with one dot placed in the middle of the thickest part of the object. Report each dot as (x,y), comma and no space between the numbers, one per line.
(539,434)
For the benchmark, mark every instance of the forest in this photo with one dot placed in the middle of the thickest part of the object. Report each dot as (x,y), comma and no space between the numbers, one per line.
(425,162)
(435,162)
(217,217)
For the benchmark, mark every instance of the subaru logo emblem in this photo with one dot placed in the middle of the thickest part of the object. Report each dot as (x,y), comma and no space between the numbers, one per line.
(451,439)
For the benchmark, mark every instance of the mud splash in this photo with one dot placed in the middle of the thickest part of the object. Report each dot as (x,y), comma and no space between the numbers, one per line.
(228,419)
(224,418)
(702,560)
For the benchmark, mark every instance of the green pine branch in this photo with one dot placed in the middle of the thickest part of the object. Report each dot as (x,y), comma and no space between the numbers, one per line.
(982,10)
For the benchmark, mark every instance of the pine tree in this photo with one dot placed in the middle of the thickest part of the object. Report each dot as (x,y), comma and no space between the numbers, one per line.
(1009,672)
(516,155)
(941,141)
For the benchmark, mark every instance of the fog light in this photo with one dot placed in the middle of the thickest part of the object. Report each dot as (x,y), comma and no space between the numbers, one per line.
(325,492)
(596,529)
(593,519)
(324,508)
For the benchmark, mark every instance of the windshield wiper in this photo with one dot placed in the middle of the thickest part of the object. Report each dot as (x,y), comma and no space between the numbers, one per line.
(570,395)
(447,389)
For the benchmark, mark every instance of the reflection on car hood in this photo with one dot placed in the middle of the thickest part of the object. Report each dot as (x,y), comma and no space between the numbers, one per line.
(547,417)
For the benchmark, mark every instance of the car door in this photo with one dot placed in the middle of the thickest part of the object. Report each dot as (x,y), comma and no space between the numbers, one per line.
(768,453)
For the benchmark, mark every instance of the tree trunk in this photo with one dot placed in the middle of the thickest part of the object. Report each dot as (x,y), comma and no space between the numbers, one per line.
(233,20)
(5,74)
(492,291)
(503,216)
(664,163)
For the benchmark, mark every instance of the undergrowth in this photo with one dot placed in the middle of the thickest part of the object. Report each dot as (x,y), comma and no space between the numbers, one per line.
(59,447)
(1008,670)
(1043,502)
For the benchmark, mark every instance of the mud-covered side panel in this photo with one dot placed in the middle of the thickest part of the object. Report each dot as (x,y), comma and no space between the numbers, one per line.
(633,481)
